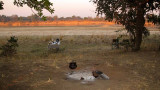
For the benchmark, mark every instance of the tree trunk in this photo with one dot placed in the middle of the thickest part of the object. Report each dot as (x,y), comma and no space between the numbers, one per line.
(140,21)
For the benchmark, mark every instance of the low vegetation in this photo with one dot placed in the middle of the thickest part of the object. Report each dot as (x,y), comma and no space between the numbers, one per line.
(33,67)
(9,49)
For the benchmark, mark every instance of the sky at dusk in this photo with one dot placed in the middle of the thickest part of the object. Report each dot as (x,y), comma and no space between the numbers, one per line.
(63,8)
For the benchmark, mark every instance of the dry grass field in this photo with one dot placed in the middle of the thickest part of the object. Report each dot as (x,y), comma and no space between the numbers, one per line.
(66,30)
(34,68)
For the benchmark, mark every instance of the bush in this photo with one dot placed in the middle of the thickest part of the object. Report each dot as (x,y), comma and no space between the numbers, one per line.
(9,49)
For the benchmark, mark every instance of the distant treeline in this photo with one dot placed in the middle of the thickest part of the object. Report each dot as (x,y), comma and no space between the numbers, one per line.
(33,18)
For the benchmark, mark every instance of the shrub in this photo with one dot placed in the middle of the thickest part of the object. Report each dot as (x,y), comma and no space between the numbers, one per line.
(9,49)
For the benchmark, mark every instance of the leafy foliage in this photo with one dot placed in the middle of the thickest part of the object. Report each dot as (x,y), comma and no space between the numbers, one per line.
(9,49)
(37,5)
(153,18)
(122,10)
(1,5)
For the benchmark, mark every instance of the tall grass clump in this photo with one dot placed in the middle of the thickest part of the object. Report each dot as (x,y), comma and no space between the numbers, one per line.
(152,42)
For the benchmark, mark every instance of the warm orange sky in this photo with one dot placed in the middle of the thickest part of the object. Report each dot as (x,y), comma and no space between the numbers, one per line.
(63,8)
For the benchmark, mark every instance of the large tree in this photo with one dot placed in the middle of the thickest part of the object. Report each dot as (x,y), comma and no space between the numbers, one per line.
(37,5)
(131,14)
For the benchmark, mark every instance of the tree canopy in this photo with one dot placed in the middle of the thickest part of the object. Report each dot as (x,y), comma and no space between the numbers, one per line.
(125,10)
(131,14)
(37,5)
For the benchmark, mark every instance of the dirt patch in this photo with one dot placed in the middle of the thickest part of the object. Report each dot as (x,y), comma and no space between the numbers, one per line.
(39,76)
